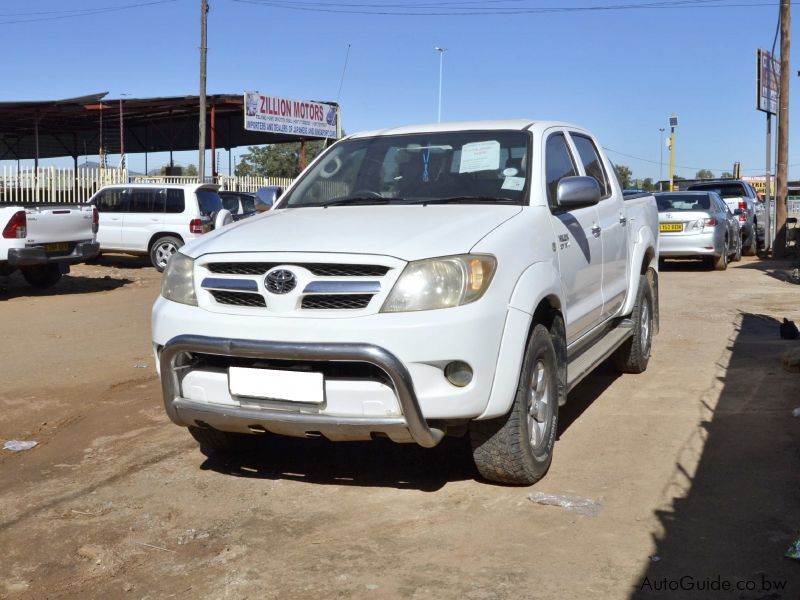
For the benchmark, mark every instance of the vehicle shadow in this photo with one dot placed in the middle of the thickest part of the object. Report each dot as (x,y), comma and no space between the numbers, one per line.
(378,463)
(122,261)
(14,286)
(683,265)
(732,506)
(582,396)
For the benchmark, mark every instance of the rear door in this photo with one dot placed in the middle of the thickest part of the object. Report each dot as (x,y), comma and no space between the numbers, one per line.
(580,252)
(144,218)
(613,226)
(111,205)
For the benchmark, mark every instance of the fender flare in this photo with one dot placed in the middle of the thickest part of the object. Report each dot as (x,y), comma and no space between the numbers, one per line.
(643,258)
(539,282)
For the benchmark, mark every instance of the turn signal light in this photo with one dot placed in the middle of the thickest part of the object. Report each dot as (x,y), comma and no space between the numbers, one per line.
(17,227)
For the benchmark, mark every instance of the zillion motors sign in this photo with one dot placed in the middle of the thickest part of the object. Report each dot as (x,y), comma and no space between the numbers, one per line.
(272,114)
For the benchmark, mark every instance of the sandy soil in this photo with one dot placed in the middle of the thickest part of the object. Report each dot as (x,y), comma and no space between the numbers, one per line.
(695,464)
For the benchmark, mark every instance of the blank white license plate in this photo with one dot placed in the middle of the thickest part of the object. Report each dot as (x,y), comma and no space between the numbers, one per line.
(271,384)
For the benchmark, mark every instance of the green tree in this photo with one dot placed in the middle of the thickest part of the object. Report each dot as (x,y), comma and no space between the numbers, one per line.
(727,175)
(276,160)
(704,174)
(648,185)
(187,171)
(624,175)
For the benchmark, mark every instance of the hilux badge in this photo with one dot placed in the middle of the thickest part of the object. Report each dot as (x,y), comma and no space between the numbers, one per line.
(280,281)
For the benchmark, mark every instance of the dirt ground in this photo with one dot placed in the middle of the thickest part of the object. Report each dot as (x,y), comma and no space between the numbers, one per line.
(695,464)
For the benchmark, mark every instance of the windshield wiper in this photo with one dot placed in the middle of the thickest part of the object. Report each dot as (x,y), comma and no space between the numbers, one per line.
(355,200)
(466,200)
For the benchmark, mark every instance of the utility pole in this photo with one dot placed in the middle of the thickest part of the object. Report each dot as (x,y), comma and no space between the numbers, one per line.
(783,135)
(661,156)
(201,159)
(121,137)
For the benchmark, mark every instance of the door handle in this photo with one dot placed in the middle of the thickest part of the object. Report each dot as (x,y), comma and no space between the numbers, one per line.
(596,231)
(623,221)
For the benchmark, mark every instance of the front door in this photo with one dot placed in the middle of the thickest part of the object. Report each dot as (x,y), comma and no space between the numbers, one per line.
(578,244)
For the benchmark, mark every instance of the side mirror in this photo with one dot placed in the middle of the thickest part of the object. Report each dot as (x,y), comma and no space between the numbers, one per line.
(267,196)
(575,192)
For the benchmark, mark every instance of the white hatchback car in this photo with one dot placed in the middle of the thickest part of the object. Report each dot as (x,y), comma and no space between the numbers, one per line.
(154,219)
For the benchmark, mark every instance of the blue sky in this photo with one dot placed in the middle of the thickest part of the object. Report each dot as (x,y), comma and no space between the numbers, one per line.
(618,73)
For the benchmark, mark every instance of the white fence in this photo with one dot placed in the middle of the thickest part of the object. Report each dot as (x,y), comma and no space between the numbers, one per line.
(65,186)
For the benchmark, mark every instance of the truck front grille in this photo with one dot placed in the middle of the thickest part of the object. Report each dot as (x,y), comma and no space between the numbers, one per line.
(317,269)
(336,301)
(239,298)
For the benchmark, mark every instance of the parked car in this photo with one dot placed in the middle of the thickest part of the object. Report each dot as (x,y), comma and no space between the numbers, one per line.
(154,219)
(43,241)
(698,225)
(241,204)
(412,283)
(739,196)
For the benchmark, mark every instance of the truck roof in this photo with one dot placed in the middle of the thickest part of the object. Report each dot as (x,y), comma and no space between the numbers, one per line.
(497,124)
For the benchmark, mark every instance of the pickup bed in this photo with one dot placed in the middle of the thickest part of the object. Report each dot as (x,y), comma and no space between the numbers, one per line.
(413,283)
(42,241)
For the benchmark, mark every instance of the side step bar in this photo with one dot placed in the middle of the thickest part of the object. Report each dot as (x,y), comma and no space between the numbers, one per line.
(582,365)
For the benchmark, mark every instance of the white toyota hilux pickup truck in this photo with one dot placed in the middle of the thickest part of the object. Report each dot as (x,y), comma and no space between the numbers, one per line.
(413,283)
(43,241)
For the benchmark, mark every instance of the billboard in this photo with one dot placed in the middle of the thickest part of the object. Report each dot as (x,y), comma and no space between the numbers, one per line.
(303,118)
(759,183)
(768,76)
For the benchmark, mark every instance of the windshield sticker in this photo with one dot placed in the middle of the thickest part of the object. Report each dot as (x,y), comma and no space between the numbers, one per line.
(510,172)
(513,183)
(480,156)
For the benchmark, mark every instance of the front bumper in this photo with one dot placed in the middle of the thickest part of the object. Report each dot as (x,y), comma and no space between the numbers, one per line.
(187,412)
(37,255)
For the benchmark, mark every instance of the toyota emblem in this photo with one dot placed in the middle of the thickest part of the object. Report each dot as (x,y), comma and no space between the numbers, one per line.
(280,281)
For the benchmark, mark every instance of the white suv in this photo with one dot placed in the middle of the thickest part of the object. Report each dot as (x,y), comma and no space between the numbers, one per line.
(154,219)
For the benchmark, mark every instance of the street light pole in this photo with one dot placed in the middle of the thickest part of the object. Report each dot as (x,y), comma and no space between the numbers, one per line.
(661,156)
(441,52)
(121,133)
(201,158)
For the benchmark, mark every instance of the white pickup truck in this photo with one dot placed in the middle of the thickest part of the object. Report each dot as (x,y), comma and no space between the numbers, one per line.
(42,241)
(413,283)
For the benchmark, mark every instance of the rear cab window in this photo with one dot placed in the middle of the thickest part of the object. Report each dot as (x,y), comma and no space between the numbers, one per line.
(592,164)
(726,190)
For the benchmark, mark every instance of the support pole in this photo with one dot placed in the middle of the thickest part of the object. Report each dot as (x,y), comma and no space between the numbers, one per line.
(767,193)
(783,134)
(201,158)
(671,159)
(214,142)
(121,137)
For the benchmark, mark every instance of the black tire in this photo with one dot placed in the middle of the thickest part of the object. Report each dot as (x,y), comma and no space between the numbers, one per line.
(737,255)
(42,276)
(634,354)
(750,249)
(162,249)
(218,441)
(721,261)
(504,449)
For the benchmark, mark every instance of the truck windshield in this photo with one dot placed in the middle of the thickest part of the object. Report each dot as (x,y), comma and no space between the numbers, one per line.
(446,167)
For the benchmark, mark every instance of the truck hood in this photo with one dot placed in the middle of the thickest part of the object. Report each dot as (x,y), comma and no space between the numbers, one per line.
(404,232)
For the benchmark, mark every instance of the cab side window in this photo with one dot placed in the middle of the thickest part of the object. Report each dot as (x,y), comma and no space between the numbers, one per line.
(558,164)
(112,201)
(592,165)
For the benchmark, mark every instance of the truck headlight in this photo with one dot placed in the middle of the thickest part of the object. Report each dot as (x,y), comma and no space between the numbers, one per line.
(441,283)
(177,284)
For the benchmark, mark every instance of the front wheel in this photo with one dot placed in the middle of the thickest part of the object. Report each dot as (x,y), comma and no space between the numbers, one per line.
(162,250)
(42,276)
(518,447)
(634,354)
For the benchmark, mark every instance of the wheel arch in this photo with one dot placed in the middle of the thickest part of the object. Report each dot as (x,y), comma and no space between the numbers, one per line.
(161,234)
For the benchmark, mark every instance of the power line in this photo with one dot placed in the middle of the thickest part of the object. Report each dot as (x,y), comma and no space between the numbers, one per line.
(56,15)
(461,8)
(655,162)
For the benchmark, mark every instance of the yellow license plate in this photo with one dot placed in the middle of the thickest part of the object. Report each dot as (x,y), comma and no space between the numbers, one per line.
(671,227)
(59,247)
